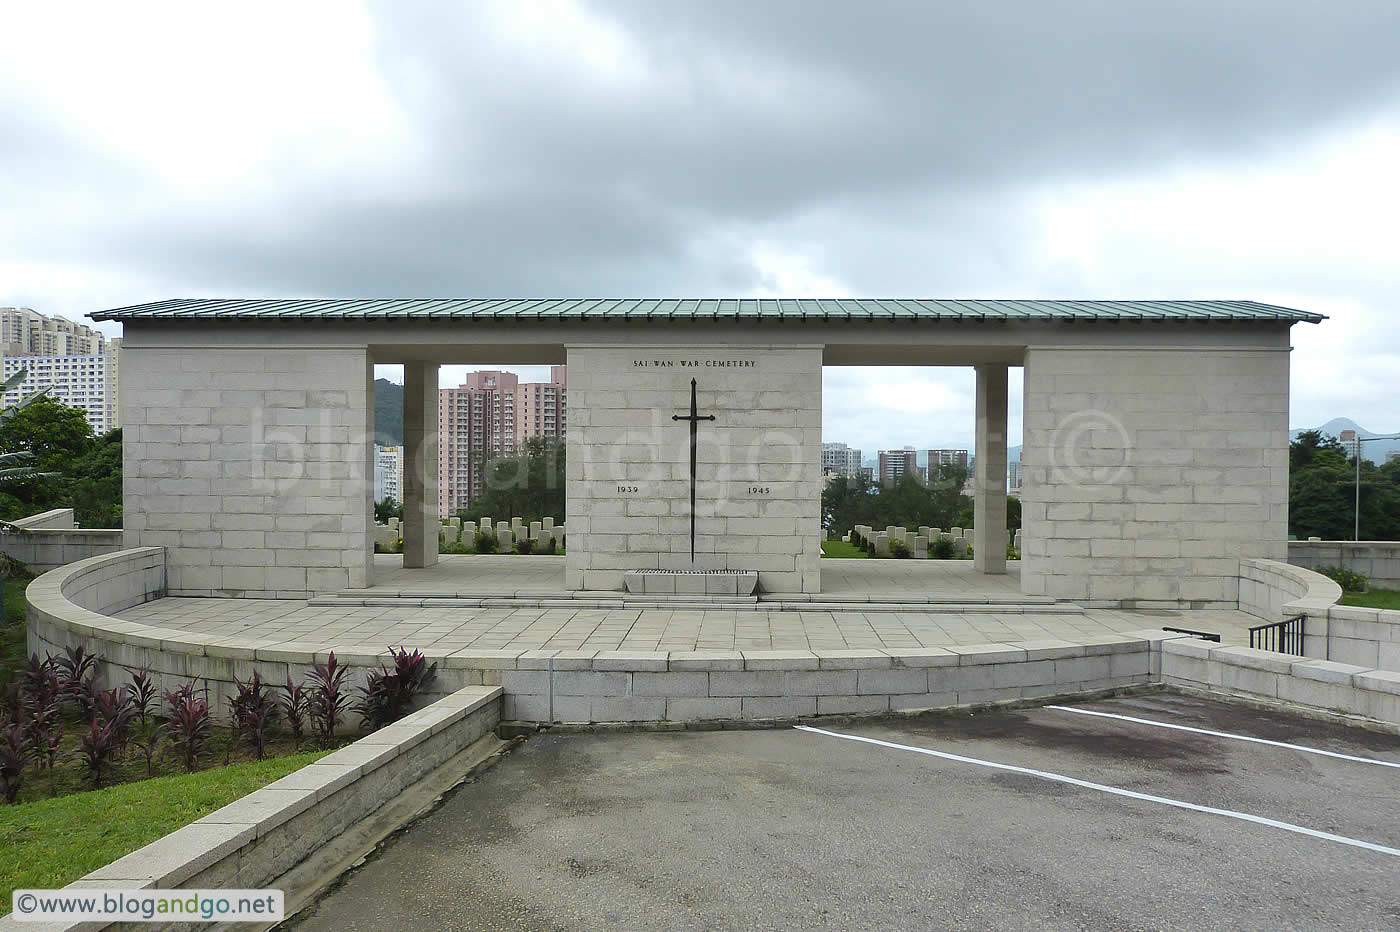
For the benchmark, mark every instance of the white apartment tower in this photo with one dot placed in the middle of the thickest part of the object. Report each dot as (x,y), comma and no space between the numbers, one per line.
(78,365)
(840,460)
(388,473)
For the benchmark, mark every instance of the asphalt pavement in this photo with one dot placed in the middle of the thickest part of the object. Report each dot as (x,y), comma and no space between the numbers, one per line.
(1040,819)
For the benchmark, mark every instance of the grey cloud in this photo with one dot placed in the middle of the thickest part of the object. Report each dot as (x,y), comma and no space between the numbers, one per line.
(896,145)
(891,138)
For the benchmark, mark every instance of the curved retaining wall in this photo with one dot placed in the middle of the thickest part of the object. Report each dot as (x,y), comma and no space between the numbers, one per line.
(67,606)
(1367,638)
(71,605)
(1274,591)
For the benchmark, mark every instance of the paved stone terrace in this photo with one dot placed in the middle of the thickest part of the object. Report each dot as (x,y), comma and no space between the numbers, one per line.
(446,628)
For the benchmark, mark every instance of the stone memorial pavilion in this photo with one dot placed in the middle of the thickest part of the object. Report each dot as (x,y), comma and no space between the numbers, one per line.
(1154,449)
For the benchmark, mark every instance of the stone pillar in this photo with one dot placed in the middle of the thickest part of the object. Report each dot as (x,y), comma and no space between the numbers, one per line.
(989,502)
(420,463)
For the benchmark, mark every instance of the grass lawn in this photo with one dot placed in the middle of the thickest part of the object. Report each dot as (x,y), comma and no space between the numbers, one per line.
(51,842)
(1374,598)
(842,550)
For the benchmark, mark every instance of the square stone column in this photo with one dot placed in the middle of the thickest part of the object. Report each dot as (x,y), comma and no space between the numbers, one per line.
(989,482)
(756,479)
(420,465)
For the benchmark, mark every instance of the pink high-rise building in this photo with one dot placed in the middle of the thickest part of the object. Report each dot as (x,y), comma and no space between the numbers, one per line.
(492,412)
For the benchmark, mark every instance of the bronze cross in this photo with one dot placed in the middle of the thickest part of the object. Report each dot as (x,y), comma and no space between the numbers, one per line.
(694,418)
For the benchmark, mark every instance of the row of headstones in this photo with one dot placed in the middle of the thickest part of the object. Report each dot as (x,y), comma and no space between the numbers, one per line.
(918,544)
(505,532)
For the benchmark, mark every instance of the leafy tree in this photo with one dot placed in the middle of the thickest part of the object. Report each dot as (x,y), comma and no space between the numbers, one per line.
(96,484)
(386,509)
(528,484)
(45,440)
(18,462)
(1308,444)
(1322,492)
(847,502)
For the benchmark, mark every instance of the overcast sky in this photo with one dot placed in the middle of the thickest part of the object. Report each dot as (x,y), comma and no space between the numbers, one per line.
(1029,149)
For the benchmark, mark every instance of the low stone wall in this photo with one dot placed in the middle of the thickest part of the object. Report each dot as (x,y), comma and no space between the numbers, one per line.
(72,605)
(58,519)
(1363,637)
(69,605)
(751,685)
(1275,591)
(50,540)
(1321,685)
(1366,637)
(1377,560)
(253,842)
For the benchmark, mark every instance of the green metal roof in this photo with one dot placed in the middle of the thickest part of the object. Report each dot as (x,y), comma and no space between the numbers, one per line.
(557,309)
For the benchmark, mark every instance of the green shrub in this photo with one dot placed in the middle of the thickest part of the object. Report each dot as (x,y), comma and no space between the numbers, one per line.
(524,545)
(549,545)
(941,548)
(1349,580)
(900,550)
(485,543)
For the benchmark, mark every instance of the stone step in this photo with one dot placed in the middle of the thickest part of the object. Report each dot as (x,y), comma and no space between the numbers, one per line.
(623,602)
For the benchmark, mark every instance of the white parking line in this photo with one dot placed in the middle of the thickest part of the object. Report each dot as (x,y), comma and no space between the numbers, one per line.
(1147,797)
(1226,734)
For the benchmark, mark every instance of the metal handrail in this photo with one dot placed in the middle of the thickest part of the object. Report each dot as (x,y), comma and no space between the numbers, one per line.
(1284,637)
(1203,635)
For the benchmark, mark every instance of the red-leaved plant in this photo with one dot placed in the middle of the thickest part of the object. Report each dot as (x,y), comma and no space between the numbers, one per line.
(326,698)
(253,710)
(77,675)
(15,755)
(187,723)
(293,700)
(387,695)
(97,748)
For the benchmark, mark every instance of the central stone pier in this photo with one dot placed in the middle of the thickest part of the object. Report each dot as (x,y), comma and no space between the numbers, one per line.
(690,458)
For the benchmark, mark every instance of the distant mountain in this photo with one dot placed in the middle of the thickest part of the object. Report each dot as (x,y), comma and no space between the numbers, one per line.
(1375,452)
(388,413)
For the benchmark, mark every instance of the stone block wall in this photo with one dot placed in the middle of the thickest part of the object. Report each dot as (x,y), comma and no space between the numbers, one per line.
(52,539)
(1377,560)
(758,496)
(1277,679)
(252,467)
(1148,474)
